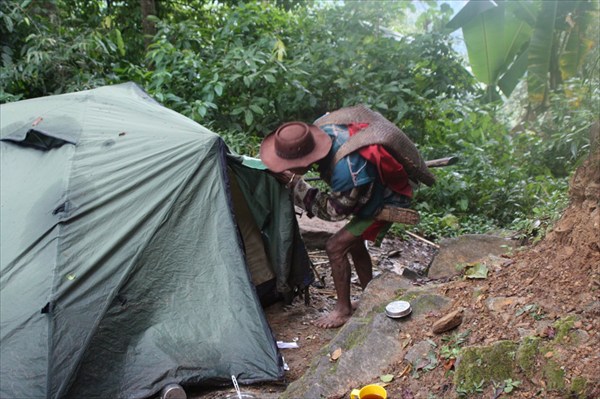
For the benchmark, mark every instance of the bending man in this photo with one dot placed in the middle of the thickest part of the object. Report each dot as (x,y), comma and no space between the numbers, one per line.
(357,190)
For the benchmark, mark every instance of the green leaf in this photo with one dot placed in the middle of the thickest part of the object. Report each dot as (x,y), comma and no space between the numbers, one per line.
(540,51)
(120,43)
(509,80)
(279,50)
(470,11)
(449,220)
(107,22)
(526,10)
(257,109)
(386,377)
(249,117)
(201,111)
(484,38)
(8,22)
(517,32)
(219,89)
(270,78)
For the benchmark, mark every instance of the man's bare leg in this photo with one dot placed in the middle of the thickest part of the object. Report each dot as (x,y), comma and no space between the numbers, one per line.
(337,248)
(362,263)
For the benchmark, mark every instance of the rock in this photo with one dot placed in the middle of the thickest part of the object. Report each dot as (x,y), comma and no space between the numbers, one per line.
(422,302)
(498,304)
(468,248)
(580,337)
(315,231)
(448,322)
(525,332)
(526,355)
(381,290)
(411,274)
(369,341)
(485,363)
(544,329)
(369,345)
(418,351)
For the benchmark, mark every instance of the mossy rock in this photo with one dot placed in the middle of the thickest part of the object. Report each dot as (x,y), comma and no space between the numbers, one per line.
(554,376)
(485,363)
(423,302)
(563,327)
(531,360)
(578,386)
(527,354)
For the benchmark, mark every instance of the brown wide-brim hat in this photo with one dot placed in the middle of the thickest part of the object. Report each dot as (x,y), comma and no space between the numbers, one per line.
(294,145)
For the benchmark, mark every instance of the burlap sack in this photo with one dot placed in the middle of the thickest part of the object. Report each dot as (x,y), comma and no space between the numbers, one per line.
(380,131)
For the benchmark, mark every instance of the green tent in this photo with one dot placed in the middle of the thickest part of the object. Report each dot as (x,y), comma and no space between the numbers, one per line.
(133,249)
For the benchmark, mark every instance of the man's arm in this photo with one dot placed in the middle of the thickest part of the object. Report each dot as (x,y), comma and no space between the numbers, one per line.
(331,206)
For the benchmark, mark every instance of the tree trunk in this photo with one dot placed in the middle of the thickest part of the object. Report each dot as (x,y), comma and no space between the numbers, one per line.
(148,27)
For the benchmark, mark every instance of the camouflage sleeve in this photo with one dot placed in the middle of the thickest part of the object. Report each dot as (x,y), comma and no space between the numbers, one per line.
(331,206)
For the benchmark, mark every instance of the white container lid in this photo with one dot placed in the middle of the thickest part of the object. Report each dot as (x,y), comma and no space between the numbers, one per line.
(397,309)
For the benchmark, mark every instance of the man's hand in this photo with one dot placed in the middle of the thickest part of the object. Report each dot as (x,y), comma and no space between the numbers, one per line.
(286,177)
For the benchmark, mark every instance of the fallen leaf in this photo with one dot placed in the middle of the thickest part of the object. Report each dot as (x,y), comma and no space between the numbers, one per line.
(405,371)
(449,364)
(549,355)
(421,363)
(406,342)
(336,354)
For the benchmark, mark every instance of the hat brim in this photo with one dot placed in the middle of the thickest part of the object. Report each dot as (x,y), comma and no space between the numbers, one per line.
(277,164)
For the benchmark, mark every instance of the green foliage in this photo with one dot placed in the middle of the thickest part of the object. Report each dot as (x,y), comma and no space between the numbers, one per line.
(510,385)
(496,183)
(452,344)
(547,39)
(474,388)
(533,310)
(242,68)
(507,386)
(41,54)
(563,128)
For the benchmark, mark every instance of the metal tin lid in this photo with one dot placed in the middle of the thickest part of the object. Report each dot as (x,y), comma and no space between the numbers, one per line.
(398,309)
(173,391)
(242,395)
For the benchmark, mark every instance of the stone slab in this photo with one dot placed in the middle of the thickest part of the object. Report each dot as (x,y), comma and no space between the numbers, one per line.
(369,341)
(465,249)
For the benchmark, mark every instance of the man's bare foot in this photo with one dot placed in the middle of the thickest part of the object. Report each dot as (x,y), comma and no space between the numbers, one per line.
(332,320)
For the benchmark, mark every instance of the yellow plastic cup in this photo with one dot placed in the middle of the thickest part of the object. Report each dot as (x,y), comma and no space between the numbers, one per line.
(371,391)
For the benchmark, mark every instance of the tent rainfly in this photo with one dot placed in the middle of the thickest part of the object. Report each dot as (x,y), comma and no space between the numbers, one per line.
(133,250)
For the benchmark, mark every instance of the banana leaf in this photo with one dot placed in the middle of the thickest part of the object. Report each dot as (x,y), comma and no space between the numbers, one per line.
(540,51)
(484,38)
